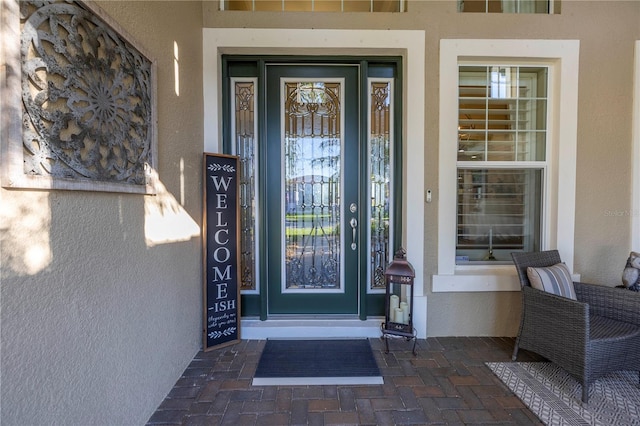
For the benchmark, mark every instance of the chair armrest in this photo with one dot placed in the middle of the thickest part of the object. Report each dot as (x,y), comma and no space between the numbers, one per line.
(614,303)
(558,325)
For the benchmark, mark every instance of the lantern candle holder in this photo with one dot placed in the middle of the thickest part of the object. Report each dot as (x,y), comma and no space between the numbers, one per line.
(398,322)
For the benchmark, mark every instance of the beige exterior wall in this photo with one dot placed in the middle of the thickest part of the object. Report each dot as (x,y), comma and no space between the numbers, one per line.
(101,292)
(607,31)
(101,312)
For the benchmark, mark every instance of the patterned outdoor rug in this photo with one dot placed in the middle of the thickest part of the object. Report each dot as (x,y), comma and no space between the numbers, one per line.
(555,397)
(317,362)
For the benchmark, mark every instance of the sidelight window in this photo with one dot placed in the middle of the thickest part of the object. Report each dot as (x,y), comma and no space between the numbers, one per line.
(380,165)
(243,129)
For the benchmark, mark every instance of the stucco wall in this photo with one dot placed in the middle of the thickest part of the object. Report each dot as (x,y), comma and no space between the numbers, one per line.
(607,31)
(101,292)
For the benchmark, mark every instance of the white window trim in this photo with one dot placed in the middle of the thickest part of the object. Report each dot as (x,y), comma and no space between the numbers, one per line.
(635,185)
(559,203)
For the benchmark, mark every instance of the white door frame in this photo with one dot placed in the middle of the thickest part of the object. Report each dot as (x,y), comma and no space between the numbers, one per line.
(409,44)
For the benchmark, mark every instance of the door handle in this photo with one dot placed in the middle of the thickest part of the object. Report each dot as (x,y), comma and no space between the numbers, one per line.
(354,224)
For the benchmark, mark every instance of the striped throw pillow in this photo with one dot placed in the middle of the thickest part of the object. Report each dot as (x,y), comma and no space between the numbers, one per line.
(554,279)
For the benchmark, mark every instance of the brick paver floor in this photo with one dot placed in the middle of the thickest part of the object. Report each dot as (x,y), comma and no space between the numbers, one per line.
(446,383)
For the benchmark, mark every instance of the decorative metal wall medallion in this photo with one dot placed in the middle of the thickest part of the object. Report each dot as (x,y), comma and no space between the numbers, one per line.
(87,102)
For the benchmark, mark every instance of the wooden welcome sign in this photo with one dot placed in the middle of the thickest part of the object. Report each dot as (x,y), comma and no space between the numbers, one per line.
(221,251)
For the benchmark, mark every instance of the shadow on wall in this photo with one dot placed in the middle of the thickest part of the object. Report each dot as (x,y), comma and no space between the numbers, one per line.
(96,288)
(25,218)
(24,231)
(166,221)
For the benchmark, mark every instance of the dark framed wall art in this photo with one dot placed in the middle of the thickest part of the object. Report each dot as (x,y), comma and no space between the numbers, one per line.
(221,251)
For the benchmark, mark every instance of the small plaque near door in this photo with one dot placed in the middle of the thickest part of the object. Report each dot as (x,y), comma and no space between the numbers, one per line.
(220,251)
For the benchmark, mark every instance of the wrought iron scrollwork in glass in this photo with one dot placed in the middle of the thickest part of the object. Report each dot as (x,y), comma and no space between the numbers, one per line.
(312,185)
(244,125)
(380,172)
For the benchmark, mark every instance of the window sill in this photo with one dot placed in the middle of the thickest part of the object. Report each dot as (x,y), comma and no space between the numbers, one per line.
(482,278)
(477,279)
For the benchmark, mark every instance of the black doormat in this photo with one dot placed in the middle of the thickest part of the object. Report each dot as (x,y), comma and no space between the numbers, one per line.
(317,362)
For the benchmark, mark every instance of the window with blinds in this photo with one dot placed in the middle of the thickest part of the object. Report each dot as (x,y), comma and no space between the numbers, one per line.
(502,127)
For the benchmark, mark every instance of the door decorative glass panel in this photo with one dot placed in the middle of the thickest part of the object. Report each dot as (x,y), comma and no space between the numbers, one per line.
(380,125)
(312,179)
(502,133)
(244,131)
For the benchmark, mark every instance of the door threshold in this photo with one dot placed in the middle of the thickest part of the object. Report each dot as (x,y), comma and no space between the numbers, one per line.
(310,327)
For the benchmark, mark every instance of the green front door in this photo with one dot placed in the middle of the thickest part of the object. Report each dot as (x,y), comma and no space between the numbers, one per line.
(320,147)
(313,189)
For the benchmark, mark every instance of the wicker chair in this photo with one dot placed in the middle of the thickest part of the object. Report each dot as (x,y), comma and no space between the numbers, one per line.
(589,337)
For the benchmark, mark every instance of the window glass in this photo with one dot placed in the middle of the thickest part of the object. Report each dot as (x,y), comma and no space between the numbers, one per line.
(505,6)
(328,6)
(263,6)
(381,179)
(502,113)
(315,5)
(502,128)
(297,6)
(245,147)
(498,212)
